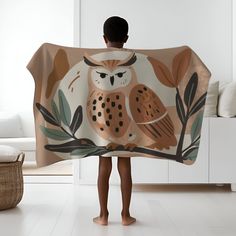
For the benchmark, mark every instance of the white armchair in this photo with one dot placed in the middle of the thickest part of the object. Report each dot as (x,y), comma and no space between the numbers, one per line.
(17,130)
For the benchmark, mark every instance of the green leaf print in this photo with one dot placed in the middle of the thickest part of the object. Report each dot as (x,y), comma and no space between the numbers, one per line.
(196,126)
(54,134)
(65,112)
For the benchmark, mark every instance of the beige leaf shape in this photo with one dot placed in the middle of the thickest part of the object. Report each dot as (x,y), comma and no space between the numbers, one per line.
(162,72)
(180,65)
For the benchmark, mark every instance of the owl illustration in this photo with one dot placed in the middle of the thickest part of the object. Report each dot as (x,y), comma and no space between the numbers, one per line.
(123,111)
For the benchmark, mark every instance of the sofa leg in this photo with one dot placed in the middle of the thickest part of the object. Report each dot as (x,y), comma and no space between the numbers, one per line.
(233,187)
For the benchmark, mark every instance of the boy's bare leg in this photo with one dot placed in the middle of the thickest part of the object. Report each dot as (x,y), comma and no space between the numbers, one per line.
(124,169)
(104,171)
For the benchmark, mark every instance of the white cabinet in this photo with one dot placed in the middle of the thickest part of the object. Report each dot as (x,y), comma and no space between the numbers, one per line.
(149,170)
(216,161)
(222,144)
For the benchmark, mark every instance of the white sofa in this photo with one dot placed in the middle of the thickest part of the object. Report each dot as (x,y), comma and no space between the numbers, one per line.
(25,138)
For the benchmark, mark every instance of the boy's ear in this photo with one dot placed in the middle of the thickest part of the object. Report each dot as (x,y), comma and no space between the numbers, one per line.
(105,39)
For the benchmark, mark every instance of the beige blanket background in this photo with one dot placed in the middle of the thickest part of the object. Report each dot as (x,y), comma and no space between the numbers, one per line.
(117,102)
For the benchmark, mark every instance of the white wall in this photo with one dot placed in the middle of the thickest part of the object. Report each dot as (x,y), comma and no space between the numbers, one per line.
(24,26)
(205,25)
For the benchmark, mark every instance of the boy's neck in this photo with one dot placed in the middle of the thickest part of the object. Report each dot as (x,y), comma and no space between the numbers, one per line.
(114,44)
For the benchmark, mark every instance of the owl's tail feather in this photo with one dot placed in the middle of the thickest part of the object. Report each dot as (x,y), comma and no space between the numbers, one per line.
(165,143)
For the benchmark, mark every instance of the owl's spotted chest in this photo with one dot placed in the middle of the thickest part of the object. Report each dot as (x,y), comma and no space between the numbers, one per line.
(107,113)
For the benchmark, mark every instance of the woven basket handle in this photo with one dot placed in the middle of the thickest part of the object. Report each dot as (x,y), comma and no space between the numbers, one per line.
(22,156)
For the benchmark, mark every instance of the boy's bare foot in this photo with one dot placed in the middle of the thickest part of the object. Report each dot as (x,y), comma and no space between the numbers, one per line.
(102,220)
(127,220)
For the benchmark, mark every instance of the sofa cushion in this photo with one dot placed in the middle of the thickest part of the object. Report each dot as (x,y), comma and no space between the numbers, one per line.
(223,85)
(227,100)
(24,144)
(10,125)
(212,99)
(8,153)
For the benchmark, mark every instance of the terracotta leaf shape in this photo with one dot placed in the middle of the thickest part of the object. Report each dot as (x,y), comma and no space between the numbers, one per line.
(60,68)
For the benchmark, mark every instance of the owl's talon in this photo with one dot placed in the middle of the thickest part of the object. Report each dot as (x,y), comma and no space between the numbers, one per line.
(112,146)
(155,146)
(130,146)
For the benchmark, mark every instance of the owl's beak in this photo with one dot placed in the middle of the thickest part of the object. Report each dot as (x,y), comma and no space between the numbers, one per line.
(112,80)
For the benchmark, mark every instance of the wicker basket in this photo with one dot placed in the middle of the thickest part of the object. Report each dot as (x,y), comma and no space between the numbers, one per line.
(11,182)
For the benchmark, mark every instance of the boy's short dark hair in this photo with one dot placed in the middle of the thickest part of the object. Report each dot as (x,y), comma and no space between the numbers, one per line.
(115,29)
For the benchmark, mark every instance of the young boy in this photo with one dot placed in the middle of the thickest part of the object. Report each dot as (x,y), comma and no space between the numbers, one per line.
(115,35)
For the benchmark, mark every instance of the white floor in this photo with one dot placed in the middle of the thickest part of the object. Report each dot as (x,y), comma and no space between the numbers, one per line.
(161,210)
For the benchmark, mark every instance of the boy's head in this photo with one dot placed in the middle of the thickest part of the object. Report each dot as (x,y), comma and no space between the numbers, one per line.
(115,31)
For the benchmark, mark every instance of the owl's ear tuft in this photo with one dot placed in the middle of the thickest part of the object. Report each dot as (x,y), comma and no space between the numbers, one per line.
(90,61)
(128,61)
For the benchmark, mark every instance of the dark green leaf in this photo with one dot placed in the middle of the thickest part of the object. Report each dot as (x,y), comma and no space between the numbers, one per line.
(97,152)
(55,112)
(69,146)
(47,115)
(190,90)
(86,141)
(77,119)
(191,154)
(65,112)
(180,107)
(83,151)
(198,105)
(196,126)
(55,134)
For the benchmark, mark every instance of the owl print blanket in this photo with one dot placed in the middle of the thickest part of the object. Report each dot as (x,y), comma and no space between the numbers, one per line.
(118,102)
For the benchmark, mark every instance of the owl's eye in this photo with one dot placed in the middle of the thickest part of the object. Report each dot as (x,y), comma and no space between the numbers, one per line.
(102,75)
(120,74)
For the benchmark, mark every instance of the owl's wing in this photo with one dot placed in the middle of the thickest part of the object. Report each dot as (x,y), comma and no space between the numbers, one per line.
(151,116)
